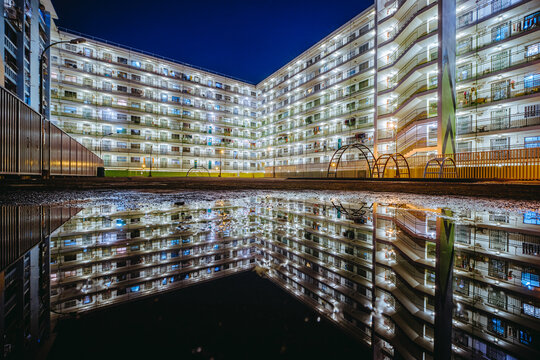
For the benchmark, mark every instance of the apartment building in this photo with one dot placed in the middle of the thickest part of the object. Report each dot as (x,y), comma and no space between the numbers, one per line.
(144,113)
(400,77)
(25,30)
(498,75)
(321,100)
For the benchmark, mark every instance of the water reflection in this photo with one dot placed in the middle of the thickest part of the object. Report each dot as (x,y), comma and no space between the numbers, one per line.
(24,275)
(408,280)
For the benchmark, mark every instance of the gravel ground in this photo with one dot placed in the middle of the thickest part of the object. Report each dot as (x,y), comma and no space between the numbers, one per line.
(498,190)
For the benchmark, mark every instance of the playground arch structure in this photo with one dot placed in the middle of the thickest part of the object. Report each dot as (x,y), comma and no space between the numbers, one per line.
(333,165)
(197,168)
(401,165)
(442,168)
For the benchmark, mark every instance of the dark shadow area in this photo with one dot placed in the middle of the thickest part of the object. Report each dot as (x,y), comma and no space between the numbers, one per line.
(239,317)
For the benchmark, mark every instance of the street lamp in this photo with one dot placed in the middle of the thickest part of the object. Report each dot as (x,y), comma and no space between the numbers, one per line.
(151,159)
(220,156)
(42,60)
(101,144)
(274,163)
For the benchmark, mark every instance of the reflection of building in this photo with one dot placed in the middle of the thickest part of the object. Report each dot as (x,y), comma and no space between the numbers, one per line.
(109,255)
(370,268)
(382,79)
(24,276)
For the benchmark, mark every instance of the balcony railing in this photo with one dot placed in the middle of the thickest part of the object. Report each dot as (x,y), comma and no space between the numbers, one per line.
(503,90)
(492,35)
(469,125)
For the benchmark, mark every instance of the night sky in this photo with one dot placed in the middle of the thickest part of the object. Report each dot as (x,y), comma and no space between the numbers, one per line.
(246,39)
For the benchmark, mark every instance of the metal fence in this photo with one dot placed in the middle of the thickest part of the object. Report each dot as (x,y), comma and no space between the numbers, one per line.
(514,164)
(23,227)
(31,145)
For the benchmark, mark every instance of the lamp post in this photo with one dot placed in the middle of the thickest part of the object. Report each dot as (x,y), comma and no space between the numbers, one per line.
(101,144)
(41,63)
(151,160)
(220,156)
(274,163)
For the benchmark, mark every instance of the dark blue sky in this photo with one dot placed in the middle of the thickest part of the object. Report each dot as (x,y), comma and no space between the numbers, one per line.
(246,39)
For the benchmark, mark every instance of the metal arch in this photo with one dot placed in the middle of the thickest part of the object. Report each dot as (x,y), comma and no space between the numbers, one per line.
(437,160)
(395,157)
(339,152)
(201,166)
(454,166)
(441,162)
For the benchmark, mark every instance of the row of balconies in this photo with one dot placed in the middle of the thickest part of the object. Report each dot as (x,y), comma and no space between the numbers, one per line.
(90,99)
(139,92)
(178,76)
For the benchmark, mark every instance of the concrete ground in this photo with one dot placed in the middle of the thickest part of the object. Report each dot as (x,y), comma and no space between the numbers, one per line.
(525,190)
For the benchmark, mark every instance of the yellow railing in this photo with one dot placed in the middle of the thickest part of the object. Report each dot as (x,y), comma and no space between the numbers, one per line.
(514,164)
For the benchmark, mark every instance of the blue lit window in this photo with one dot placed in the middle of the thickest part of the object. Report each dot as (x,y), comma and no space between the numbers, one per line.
(532,142)
(187,276)
(136,288)
(531,217)
(136,63)
(218,85)
(217,268)
(120,222)
(530,280)
(175,242)
(187,113)
(208,270)
(175,98)
(70,109)
(187,101)
(530,20)
(531,81)
(216,247)
(185,241)
(186,252)
(500,32)
(87,300)
(525,337)
(164,97)
(497,326)
(176,111)
(174,267)
(164,281)
(70,242)
(163,255)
